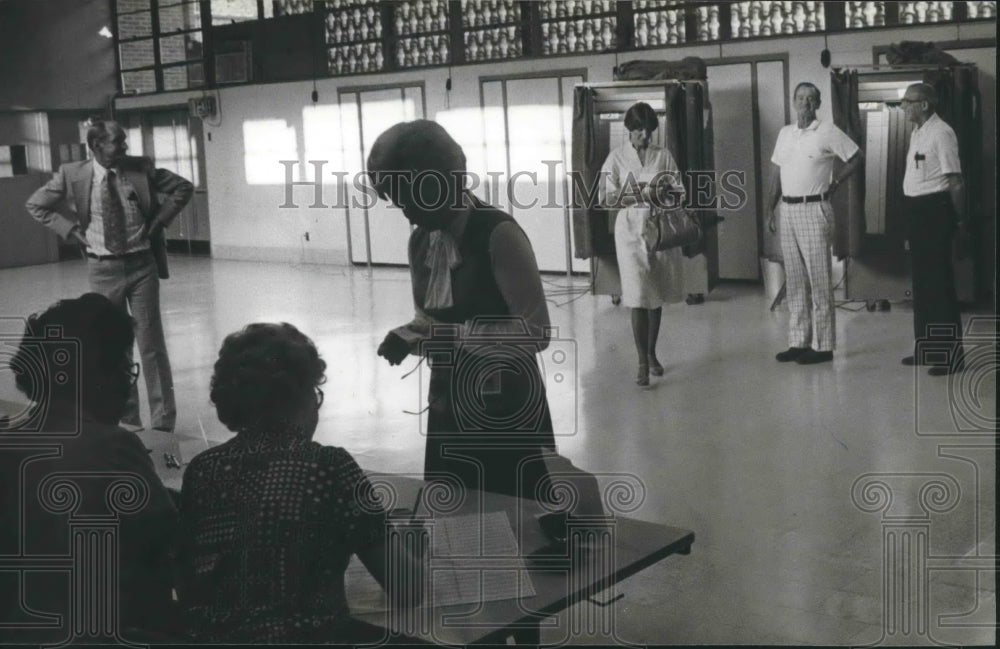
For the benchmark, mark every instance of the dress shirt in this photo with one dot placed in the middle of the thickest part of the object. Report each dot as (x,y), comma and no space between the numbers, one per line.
(134,221)
(933,154)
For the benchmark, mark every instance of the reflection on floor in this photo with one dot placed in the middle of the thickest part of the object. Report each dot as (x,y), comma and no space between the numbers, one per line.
(798,481)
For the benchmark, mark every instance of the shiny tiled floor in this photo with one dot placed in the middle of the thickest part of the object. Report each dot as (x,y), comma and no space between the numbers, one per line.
(804,485)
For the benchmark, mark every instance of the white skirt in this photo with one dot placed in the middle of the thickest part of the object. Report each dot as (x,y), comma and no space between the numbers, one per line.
(648,280)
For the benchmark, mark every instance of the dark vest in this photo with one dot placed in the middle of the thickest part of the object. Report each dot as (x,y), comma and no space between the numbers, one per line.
(474,290)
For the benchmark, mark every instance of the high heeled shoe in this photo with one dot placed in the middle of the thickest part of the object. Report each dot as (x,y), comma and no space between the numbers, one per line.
(654,367)
(642,379)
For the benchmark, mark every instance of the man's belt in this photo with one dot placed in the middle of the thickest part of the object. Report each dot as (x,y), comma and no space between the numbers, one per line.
(814,198)
(127,255)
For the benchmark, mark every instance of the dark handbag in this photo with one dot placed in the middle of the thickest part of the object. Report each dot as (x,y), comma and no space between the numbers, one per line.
(670,228)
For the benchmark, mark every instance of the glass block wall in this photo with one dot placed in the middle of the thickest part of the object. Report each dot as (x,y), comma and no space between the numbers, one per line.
(578,26)
(491,29)
(912,13)
(757,19)
(708,23)
(422,32)
(161,44)
(354,37)
(979,10)
(291,7)
(864,14)
(659,22)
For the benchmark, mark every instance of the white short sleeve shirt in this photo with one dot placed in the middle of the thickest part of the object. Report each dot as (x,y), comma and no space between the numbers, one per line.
(933,154)
(806,156)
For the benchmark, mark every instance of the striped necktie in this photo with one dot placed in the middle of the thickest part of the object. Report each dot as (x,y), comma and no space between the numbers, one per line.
(113,215)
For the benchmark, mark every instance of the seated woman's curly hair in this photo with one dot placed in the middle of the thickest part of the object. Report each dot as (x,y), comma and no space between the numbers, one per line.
(262,373)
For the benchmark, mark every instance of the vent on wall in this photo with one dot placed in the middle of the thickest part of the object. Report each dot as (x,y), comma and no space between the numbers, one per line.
(234,63)
(201,107)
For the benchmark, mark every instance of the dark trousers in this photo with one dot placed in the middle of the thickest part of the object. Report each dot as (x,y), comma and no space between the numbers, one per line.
(937,324)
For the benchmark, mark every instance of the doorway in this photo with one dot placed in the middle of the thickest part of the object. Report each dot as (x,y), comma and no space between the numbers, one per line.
(378,233)
(175,142)
(746,119)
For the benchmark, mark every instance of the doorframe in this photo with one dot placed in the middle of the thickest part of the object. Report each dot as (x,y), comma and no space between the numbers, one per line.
(558,75)
(144,118)
(753,60)
(358,91)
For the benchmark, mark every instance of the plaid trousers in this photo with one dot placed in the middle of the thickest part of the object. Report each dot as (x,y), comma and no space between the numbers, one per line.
(806,233)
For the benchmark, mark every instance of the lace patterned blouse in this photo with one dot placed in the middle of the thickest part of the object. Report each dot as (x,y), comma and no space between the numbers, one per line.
(270,523)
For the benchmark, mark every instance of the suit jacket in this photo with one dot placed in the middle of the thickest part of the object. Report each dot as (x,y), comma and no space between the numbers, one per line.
(161,195)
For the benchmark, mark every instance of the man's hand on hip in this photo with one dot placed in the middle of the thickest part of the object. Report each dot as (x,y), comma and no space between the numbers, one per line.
(153,230)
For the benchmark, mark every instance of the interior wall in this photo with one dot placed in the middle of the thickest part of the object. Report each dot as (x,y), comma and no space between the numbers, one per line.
(24,241)
(41,42)
(30,129)
(258,126)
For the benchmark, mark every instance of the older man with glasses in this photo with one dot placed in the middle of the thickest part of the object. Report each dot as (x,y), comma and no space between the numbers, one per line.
(935,204)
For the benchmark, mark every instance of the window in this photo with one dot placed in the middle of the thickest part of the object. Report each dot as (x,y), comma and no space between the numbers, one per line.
(227,12)
(160,45)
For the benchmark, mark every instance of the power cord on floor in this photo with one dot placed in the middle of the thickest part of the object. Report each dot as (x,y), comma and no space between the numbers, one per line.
(575,290)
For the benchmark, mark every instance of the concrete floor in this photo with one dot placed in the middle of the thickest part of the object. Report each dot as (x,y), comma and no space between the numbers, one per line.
(812,491)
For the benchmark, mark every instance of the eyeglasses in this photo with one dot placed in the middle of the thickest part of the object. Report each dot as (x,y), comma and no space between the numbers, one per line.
(319,397)
(133,372)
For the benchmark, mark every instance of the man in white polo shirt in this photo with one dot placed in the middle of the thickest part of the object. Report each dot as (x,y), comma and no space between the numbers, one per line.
(805,152)
(935,206)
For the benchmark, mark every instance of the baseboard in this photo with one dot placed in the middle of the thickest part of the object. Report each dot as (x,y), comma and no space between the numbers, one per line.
(188,247)
(286,255)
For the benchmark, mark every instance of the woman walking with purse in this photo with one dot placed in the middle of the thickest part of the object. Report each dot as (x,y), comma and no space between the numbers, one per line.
(636,174)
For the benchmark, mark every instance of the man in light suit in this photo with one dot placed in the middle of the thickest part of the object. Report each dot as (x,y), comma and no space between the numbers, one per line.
(122,205)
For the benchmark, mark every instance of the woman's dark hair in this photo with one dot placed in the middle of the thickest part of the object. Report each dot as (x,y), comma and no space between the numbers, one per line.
(408,149)
(68,349)
(263,373)
(641,116)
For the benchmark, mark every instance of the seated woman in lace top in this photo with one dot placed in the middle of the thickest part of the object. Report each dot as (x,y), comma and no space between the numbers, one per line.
(272,518)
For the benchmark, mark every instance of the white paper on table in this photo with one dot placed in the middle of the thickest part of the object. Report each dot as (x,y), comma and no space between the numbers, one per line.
(456,541)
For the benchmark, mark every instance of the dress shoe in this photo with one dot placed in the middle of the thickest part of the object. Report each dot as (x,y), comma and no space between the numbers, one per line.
(811,357)
(910,361)
(791,354)
(654,367)
(642,379)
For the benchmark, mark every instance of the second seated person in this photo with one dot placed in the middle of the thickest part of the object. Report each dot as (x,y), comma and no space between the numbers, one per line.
(635,175)
(270,519)
(488,415)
